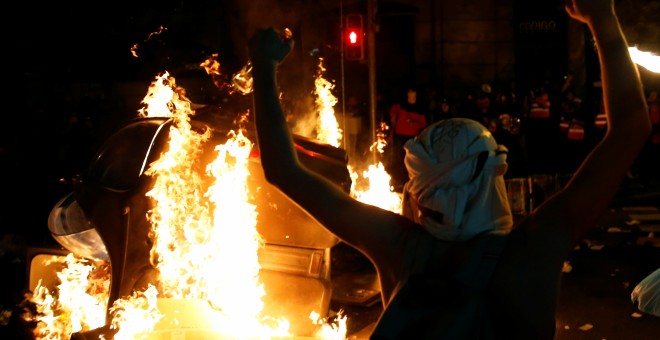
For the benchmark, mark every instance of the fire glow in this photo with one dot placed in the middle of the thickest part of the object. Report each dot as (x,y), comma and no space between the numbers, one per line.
(371,186)
(648,60)
(205,241)
(328,129)
(205,247)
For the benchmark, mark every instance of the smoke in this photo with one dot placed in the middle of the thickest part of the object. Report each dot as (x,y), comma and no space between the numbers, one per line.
(246,17)
(302,116)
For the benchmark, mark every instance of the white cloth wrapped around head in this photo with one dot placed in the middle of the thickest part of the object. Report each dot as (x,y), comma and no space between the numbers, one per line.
(456,188)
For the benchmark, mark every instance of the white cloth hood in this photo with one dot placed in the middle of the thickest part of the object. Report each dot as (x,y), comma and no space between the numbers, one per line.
(442,161)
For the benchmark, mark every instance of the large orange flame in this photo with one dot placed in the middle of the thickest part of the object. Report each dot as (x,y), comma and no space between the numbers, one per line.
(205,247)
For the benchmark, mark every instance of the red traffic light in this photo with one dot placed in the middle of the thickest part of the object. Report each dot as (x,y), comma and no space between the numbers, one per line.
(352,37)
(354,28)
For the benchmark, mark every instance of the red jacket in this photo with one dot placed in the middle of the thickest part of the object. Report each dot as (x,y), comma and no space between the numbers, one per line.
(405,122)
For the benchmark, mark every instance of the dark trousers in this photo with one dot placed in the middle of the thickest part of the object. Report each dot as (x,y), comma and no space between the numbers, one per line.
(397,168)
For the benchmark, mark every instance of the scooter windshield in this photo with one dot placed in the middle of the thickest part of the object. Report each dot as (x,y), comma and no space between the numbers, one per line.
(116,168)
(72,229)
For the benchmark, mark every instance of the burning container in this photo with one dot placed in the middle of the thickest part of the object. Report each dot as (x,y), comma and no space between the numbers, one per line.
(106,217)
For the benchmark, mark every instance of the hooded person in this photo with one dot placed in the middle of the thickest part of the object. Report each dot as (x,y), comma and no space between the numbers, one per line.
(498,283)
(456,188)
(457,193)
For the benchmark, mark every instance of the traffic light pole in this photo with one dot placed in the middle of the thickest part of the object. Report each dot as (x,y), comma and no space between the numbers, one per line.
(371,60)
(343,90)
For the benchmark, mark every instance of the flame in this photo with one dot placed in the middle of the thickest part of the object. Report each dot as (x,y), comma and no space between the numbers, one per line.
(205,246)
(371,186)
(206,242)
(180,214)
(136,314)
(135,47)
(235,237)
(165,99)
(648,60)
(330,330)
(211,65)
(381,138)
(328,130)
(79,304)
(241,81)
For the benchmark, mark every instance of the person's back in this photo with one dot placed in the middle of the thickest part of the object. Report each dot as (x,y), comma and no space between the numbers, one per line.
(518,300)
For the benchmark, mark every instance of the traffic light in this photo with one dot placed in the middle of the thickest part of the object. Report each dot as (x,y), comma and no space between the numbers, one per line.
(354,37)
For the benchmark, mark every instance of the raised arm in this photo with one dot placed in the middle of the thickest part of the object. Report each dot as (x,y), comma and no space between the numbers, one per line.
(365,227)
(594,184)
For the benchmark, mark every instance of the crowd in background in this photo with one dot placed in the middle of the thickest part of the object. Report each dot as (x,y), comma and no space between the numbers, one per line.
(547,129)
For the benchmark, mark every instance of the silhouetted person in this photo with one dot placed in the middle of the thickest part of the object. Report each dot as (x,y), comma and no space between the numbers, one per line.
(461,271)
